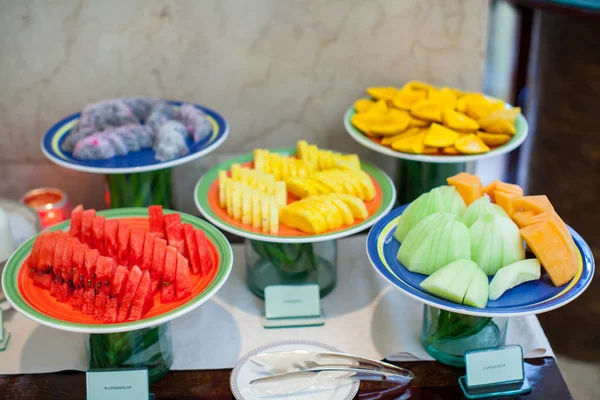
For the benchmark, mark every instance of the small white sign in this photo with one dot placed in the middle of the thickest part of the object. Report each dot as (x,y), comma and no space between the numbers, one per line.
(495,366)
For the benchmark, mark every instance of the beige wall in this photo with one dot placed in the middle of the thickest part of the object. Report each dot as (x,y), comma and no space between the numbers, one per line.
(277,70)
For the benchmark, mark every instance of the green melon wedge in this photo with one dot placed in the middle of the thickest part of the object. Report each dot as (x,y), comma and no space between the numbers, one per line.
(512,275)
(451,282)
(477,293)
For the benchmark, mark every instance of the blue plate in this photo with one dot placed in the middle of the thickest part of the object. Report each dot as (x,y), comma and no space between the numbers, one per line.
(532,297)
(135,161)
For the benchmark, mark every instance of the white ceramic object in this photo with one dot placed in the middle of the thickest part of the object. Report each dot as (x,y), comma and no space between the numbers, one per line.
(7,244)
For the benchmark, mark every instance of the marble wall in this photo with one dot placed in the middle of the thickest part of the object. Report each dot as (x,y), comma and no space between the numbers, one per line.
(278,70)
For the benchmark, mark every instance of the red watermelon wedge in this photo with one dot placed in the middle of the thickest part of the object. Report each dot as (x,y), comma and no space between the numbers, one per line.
(98,229)
(206,260)
(87,227)
(155,215)
(119,281)
(174,231)
(59,247)
(158,263)
(169,273)
(42,280)
(111,226)
(183,283)
(136,247)
(105,268)
(148,251)
(135,276)
(54,286)
(100,305)
(123,244)
(76,217)
(64,292)
(111,310)
(78,299)
(192,248)
(66,264)
(47,252)
(89,300)
(34,257)
(78,264)
(91,257)
(142,300)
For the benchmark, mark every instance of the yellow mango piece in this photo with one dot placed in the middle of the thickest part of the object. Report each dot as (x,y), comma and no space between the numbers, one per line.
(501,121)
(379,108)
(361,122)
(479,107)
(444,97)
(500,126)
(362,105)
(418,123)
(459,122)
(427,110)
(471,144)
(493,139)
(388,140)
(417,85)
(412,144)
(440,136)
(430,150)
(450,150)
(358,208)
(405,99)
(394,122)
(382,93)
(507,114)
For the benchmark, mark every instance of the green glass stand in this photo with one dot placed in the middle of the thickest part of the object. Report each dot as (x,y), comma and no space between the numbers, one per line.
(415,178)
(290,264)
(139,190)
(446,336)
(149,347)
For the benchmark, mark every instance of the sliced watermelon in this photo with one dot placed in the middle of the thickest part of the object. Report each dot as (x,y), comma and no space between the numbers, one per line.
(78,264)
(89,300)
(105,268)
(77,299)
(155,215)
(183,283)
(42,280)
(54,286)
(34,257)
(110,311)
(169,272)
(111,226)
(64,292)
(206,260)
(76,217)
(100,305)
(30,270)
(123,245)
(66,264)
(148,250)
(91,257)
(87,227)
(136,247)
(135,276)
(119,281)
(59,247)
(98,230)
(158,263)
(192,248)
(47,252)
(174,231)
(141,300)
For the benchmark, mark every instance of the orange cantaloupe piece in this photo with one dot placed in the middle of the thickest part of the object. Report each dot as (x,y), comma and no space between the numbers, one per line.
(521,217)
(541,217)
(467,185)
(506,200)
(537,204)
(501,186)
(552,248)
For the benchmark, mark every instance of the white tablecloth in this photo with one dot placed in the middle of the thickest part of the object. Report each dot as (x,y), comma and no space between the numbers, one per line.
(364,316)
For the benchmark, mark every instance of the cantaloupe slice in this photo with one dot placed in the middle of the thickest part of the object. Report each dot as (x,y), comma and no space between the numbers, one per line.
(539,218)
(537,204)
(552,248)
(506,200)
(501,186)
(521,217)
(468,186)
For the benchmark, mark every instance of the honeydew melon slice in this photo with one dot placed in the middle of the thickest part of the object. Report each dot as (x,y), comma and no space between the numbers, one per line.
(477,293)
(512,275)
(451,282)
(480,207)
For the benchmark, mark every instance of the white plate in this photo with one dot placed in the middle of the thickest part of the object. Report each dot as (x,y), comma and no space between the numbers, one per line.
(245,371)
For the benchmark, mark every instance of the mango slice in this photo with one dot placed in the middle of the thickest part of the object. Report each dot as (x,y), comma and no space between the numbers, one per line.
(471,144)
(440,136)
(501,127)
(493,139)
(427,110)
(412,144)
(459,122)
(362,105)
(379,108)
(478,107)
(361,122)
(405,99)
(507,114)
(450,150)
(417,85)
(394,122)
(388,140)
(501,121)
(382,93)
(444,97)
(418,123)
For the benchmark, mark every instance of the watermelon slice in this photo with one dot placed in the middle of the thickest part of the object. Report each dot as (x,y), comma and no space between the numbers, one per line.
(206,260)
(111,227)
(59,246)
(105,268)
(91,257)
(87,226)
(142,300)
(89,300)
(119,281)
(47,252)
(183,283)
(98,229)
(77,299)
(148,251)
(123,245)
(42,280)
(192,248)
(76,217)
(30,270)
(169,272)
(64,292)
(34,257)
(111,310)
(78,264)
(158,263)
(135,276)
(100,305)
(54,286)
(136,247)
(155,215)
(66,264)
(174,231)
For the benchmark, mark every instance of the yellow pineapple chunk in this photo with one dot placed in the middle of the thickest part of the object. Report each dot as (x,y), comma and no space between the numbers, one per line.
(222,194)
(246,205)
(256,209)
(280,194)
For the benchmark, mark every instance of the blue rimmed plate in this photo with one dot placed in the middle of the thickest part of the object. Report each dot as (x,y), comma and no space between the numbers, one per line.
(136,161)
(532,297)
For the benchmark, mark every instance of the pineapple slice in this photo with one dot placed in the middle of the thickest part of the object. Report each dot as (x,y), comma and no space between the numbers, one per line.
(229,196)
(301,187)
(303,219)
(265,212)
(222,182)
(343,208)
(235,171)
(273,217)
(280,193)
(256,209)
(246,205)
(358,208)
(238,192)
